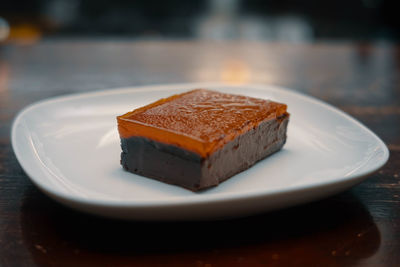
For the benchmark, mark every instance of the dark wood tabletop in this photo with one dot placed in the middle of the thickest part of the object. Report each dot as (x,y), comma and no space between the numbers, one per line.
(359,227)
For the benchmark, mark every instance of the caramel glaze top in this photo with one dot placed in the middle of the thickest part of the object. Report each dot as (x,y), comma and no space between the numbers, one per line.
(201,121)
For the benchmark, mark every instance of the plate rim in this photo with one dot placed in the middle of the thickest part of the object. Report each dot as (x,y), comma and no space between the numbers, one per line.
(197,198)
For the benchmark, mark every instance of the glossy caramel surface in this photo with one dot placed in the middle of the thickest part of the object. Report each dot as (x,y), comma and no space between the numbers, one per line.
(199,120)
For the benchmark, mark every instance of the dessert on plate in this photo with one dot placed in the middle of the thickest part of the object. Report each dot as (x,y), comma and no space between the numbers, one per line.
(200,138)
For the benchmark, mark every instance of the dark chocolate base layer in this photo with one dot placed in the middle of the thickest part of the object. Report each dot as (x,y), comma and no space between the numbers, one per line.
(175,165)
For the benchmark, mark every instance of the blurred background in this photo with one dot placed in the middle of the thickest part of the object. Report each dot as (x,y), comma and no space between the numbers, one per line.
(28,21)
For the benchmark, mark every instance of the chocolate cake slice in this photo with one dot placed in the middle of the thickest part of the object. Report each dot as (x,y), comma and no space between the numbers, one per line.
(200,138)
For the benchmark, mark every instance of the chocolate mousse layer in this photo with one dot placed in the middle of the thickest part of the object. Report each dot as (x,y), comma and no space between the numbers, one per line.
(176,165)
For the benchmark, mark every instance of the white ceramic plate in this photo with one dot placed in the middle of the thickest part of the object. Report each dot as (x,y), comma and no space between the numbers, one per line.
(69,147)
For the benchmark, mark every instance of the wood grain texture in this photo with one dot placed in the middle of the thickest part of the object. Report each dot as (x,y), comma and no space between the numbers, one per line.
(360,227)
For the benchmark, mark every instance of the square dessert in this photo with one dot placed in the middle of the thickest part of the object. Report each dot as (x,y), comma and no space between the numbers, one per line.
(200,138)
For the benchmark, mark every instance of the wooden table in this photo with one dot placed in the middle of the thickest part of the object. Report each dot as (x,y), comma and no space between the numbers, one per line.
(360,227)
